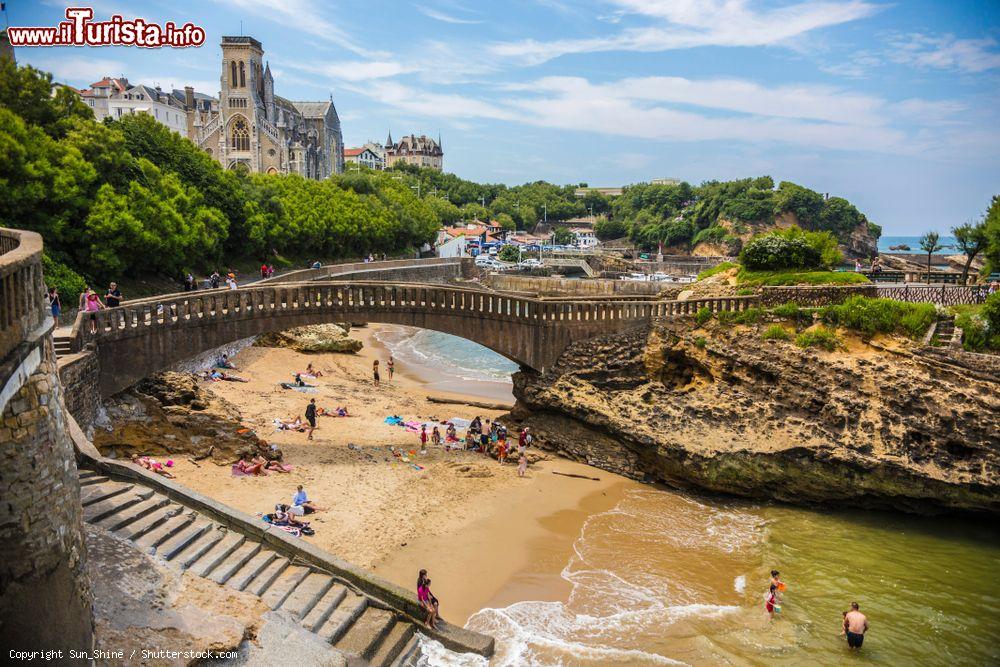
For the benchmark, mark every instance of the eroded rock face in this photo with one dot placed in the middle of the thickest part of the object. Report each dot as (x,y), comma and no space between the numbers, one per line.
(313,339)
(172,414)
(723,410)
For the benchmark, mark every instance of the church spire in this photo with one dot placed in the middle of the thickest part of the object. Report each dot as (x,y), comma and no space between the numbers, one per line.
(388,142)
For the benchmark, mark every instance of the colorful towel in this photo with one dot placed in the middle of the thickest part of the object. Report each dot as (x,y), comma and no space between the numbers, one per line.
(394,421)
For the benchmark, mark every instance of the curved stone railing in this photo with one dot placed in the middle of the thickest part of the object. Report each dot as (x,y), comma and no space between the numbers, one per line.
(331,270)
(22,307)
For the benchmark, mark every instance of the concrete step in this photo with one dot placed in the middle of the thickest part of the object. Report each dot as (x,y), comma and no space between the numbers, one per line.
(97,512)
(305,596)
(98,492)
(284,585)
(348,611)
(251,569)
(366,634)
(176,544)
(234,562)
(410,653)
(173,525)
(218,553)
(92,480)
(393,644)
(265,579)
(133,513)
(190,554)
(137,529)
(319,614)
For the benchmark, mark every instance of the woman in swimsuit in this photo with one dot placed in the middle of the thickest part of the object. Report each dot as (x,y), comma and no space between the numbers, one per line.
(391,366)
(152,465)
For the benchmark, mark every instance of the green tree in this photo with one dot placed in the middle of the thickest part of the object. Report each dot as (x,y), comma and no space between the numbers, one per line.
(803,202)
(563,236)
(506,221)
(971,240)
(992,230)
(27,92)
(606,230)
(509,253)
(930,243)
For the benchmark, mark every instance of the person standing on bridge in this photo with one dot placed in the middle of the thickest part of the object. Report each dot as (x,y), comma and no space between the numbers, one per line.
(54,303)
(93,304)
(113,298)
(311,417)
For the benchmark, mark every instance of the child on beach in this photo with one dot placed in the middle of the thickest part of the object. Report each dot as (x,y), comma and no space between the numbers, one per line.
(375,372)
(423,437)
(436,436)
(522,465)
(427,599)
(502,451)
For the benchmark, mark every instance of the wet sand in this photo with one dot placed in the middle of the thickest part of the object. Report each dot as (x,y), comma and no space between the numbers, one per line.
(475,525)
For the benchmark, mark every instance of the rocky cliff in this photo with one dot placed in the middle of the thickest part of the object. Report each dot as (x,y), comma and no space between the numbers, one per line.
(722,410)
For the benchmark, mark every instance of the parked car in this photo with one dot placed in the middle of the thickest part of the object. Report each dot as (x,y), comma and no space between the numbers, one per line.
(531,262)
(484,259)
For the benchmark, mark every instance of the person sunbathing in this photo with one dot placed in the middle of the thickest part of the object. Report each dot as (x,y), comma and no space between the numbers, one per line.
(336,412)
(251,467)
(282,514)
(269,465)
(290,424)
(153,465)
(313,371)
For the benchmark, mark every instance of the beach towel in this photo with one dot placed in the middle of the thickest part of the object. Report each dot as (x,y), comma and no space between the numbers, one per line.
(394,421)
(239,473)
(306,389)
(412,426)
(459,422)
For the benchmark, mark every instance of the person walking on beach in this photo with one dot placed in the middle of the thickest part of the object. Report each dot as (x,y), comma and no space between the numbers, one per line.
(55,304)
(311,417)
(375,372)
(522,465)
(391,367)
(855,626)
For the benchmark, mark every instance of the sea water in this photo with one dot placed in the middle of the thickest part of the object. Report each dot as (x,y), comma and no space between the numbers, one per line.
(459,358)
(885,242)
(669,577)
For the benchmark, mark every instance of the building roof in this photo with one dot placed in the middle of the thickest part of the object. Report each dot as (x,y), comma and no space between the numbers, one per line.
(313,109)
(241,39)
(354,152)
(111,82)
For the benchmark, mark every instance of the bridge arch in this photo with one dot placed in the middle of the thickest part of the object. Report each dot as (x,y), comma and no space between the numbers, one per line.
(147,336)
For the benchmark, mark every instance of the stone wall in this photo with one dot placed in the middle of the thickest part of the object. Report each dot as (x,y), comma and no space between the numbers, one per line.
(45,600)
(80,376)
(566,287)
(820,295)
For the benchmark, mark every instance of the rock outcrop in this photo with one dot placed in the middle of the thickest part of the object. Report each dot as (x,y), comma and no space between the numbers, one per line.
(721,410)
(171,414)
(313,339)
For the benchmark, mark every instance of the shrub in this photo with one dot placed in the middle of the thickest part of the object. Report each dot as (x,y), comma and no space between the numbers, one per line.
(746,291)
(509,253)
(711,234)
(871,316)
(991,312)
(749,316)
(771,252)
(703,315)
(776,332)
(606,230)
(66,280)
(980,325)
(819,337)
(719,268)
(823,243)
(789,310)
(700,342)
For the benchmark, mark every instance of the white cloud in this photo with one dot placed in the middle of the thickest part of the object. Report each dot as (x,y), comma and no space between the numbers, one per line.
(446,18)
(680,24)
(79,70)
(306,16)
(945,52)
(359,70)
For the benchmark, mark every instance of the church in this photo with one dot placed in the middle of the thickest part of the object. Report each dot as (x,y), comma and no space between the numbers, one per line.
(255,131)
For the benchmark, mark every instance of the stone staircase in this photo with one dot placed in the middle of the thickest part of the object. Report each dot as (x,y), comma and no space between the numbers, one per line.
(366,631)
(63,345)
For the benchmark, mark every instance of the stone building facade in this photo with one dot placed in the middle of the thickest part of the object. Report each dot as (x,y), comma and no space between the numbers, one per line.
(420,151)
(257,131)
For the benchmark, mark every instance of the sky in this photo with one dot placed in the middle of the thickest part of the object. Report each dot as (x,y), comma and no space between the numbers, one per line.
(893,105)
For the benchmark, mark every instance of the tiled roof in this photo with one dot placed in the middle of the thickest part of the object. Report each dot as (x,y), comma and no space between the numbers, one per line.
(353,152)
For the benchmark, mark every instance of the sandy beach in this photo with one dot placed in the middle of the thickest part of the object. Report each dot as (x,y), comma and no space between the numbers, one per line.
(475,525)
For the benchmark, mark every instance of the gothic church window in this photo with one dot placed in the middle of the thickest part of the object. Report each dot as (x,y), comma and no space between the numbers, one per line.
(239,135)
(232,78)
(243,74)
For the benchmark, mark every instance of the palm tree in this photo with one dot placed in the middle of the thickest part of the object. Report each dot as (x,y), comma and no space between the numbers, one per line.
(970,239)
(931,243)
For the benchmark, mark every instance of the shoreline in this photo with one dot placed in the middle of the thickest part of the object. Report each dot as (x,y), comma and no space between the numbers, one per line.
(475,525)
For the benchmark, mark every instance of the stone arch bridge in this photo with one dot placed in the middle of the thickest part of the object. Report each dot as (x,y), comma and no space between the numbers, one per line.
(145,336)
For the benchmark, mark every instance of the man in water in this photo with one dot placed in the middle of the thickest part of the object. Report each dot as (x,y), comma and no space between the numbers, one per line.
(855,625)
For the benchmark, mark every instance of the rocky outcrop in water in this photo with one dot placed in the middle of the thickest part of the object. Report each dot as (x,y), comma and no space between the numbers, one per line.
(722,410)
(313,339)
(172,414)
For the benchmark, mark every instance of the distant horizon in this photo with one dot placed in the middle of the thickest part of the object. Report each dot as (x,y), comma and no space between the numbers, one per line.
(895,107)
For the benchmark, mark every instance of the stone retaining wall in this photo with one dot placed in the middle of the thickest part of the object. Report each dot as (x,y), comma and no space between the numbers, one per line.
(80,375)
(563,286)
(820,295)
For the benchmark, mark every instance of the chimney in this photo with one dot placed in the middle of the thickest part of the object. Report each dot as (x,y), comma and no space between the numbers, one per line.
(189,97)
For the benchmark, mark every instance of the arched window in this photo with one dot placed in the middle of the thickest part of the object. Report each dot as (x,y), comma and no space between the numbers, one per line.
(232,72)
(239,135)
(243,75)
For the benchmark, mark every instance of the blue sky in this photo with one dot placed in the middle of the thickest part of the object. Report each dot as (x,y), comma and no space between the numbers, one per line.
(894,105)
